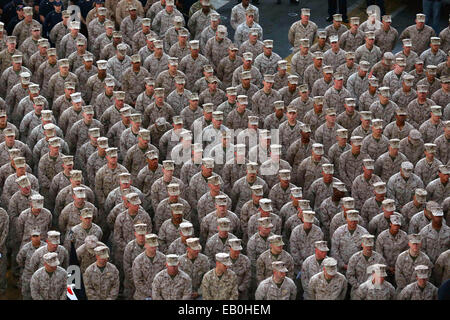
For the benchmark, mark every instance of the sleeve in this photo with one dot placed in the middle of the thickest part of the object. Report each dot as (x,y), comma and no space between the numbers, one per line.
(35,288)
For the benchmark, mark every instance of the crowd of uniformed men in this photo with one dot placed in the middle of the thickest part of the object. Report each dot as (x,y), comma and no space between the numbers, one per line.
(180,164)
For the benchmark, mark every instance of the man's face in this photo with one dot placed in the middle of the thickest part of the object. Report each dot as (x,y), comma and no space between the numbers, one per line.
(292,116)
(11,46)
(415,247)
(331,119)
(443,177)
(338,84)
(249,19)
(276,249)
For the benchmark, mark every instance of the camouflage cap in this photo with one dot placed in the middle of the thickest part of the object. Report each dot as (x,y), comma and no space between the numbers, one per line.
(67,160)
(317,148)
(352,215)
(369,164)
(208,163)
(342,133)
(88,109)
(79,192)
(368,240)
(265,204)
(173,189)
(330,265)
(265,222)
(87,213)
(339,186)
(279,266)
(14,153)
(140,228)
(177,208)
(54,142)
(304,204)
(53,237)
(194,244)
(186,229)
(388,204)
(235,244)
(151,240)
(102,252)
(224,258)
(296,192)
(422,271)
(282,64)
(444,169)
(328,168)
(415,238)
(395,219)
(224,224)
(168,165)
(276,240)
(102,142)
(20,162)
(51,258)
(348,202)
(112,152)
(220,200)
(133,198)
(257,190)
(379,187)
(308,216)
(9,132)
(322,245)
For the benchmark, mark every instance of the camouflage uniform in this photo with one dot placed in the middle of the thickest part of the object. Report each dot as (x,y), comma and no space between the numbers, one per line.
(9,78)
(401,190)
(344,244)
(78,234)
(124,232)
(86,256)
(368,291)
(386,166)
(404,268)
(163,212)
(70,216)
(414,292)
(44,286)
(390,246)
(298,31)
(327,210)
(320,288)
(215,244)
(144,270)
(301,244)
(414,152)
(255,48)
(68,45)
(37,260)
(441,268)
(264,264)
(4,228)
(252,225)
(362,189)
(22,30)
(392,130)
(192,69)
(350,41)
(299,63)
(132,250)
(309,171)
(223,288)
(101,285)
(435,242)
(374,148)
(372,56)
(164,20)
(206,204)
(409,59)
(431,131)
(27,221)
(56,85)
(357,268)
(153,112)
(10,187)
(168,233)
(106,180)
(226,68)
(437,191)
(6,59)
(334,59)
(426,171)
(23,260)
